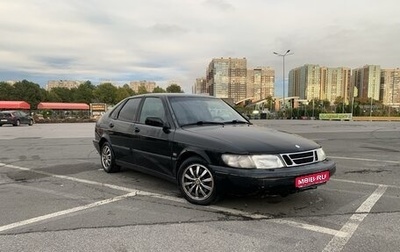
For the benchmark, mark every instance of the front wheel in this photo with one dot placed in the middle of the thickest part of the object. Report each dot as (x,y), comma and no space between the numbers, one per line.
(30,122)
(108,159)
(197,182)
(17,123)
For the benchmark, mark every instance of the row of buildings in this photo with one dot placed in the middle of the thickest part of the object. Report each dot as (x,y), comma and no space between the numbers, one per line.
(325,83)
(231,78)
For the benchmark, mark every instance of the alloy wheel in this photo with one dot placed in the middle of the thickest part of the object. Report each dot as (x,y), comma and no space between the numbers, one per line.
(106,157)
(197,182)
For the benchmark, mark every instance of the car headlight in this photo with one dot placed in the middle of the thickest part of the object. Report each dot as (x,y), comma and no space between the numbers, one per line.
(253,161)
(321,156)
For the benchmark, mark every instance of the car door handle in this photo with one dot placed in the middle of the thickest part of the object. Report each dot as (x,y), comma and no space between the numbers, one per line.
(111,125)
(137,130)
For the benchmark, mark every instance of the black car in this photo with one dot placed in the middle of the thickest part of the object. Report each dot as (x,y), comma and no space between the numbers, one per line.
(206,147)
(15,117)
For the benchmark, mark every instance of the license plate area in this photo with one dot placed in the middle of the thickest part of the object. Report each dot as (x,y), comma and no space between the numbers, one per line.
(312,179)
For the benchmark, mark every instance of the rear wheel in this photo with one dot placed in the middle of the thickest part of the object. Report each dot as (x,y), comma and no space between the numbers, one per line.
(108,159)
(197,182)
(30,122)
(17,123)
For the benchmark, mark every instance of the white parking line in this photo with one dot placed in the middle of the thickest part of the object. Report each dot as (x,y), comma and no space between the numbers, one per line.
(314,228)
(132,192)
(338,241)
(364,183)
(64,212)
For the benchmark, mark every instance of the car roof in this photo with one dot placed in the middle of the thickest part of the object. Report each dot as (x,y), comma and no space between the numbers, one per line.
(174,95)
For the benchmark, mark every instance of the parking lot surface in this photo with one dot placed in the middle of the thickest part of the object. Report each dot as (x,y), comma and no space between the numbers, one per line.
(55,197)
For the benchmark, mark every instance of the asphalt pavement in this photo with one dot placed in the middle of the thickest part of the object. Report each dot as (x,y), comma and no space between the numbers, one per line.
(55,197)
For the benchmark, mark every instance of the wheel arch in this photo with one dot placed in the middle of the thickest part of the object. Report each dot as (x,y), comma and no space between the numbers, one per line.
(103,139)
(186,155)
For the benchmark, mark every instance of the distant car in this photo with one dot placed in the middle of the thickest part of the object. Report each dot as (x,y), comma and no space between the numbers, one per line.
(206,147)
(15,117)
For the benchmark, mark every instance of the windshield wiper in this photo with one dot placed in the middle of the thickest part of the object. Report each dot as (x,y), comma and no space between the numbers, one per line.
(238,122)
(203,123)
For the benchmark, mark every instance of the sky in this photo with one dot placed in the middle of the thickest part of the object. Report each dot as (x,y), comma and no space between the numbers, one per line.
(173,41)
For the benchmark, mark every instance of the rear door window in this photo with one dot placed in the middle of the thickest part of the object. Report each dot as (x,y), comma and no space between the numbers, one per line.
(129,110)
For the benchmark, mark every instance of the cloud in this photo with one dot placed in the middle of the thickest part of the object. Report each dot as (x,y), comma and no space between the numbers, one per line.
(162,40)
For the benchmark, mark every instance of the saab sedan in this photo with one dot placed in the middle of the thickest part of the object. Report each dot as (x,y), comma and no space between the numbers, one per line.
(207,148)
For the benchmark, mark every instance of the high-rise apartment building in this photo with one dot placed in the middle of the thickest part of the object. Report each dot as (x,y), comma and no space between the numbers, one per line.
(148,85)
(367,81)
(390,87)
(305,82)
(335,82)
(226,78)
(63,84)
(260,82)
(314,82)
(200,86)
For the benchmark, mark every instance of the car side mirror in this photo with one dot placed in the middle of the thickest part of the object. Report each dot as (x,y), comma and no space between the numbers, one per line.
(158,122)
(154,121)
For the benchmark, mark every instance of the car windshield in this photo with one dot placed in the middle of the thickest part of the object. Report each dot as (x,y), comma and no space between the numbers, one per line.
(204,111)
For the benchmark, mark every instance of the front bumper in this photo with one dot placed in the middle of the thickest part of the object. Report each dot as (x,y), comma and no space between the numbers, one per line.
(96,145)
(269,181)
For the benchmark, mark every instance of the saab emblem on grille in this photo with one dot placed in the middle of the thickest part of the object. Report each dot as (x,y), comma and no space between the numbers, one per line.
(297,146)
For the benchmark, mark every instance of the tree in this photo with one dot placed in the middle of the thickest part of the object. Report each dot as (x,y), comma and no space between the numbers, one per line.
(27,91)
(5,91)
(84,93)
(174,88)
(142,90)
(158,89)
(62,94)
(128,89)
(122,93)
(106,93)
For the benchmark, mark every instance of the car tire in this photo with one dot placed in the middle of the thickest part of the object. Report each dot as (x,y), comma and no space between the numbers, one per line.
(197,182)
(30,122)
(17,123)
(107,158)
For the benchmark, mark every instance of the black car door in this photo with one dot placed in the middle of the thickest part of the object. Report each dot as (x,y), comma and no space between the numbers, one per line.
(121,131)
(153,142)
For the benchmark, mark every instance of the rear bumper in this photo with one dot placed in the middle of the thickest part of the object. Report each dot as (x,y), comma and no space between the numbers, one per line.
(278,181)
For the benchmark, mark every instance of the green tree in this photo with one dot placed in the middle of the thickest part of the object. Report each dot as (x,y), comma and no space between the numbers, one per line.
(27,91)
(84,93)
(174,88)
(159,89)
(6,91)
(128,89)
(106,93)
(62,94)
(122,93)
(142,90)
(51,96)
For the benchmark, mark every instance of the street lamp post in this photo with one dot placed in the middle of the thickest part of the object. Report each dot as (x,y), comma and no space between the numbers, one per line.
(283,75)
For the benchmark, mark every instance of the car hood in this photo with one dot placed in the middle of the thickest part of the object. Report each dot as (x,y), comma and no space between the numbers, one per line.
(250,139)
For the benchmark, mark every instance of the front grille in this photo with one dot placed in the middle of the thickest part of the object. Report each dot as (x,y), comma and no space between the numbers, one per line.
(300,158)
